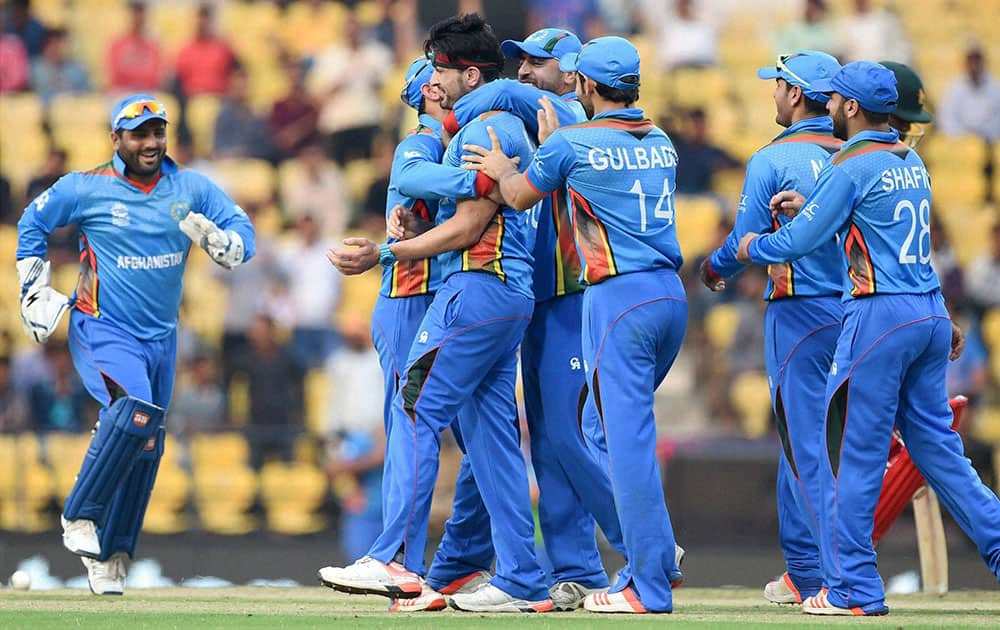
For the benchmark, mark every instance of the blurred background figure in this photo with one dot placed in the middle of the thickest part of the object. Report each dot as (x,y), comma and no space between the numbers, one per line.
(13,407)
(20,21)
(55,72)
(814,31)
(971,103)
(701,160)
(872,33)
(239,132)
(320,193)
(134,59)
(294,116)
(199,402)
(206,63)
(686,38)
(60,403)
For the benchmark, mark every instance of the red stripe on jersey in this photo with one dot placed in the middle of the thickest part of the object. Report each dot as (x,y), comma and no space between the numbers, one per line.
(781,275)
(861,270)
(592,239)
(486,254)
(412,277)
(87,283)
(568,265)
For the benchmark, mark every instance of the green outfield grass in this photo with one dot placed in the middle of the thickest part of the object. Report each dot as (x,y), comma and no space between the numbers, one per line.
(246,607)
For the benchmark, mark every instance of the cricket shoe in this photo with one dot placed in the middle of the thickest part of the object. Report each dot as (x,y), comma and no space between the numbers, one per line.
(107,577)
(782,591)
(570,595)
(677,578)
(80,537)
(488,598)
(428,600)
(624,601)
(368,576)
(819,605)
(466,584)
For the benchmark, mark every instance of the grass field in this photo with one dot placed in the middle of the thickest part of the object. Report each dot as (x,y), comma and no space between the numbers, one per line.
(246,607)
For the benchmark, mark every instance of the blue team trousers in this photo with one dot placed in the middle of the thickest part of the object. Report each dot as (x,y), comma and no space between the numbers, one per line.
(800,335)
(112,363)
(467,361)
(467,546)
(889,368)
(633,326)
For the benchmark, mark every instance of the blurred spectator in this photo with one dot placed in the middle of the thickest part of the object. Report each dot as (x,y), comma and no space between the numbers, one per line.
(321,193)
(135,61)
(814,32)
(685,38)
(946,265)
(52,170)
(274,382)
(872,34)
(13,407)
(398,27)
(346,79)
(14,67)
(699,159)
(356,437)
(199,403)
(378,191)
(54,71)
(293,117)
(314,292)
(60,403)
(64,244)
(239,132)
(982,277)
(746,354)
(205,65)
(19,21)
(9,214)
(971,103)
(582,17)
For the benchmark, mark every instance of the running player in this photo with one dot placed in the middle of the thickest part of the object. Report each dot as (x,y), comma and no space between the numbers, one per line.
(464,357)
(138,215)
(894,345)
(804,310)
(634,308)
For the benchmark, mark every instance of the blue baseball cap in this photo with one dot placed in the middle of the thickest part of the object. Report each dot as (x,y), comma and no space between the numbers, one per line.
(548,43)
(611,61)
(870,84)
(417,75)
(803,68)
(136,109)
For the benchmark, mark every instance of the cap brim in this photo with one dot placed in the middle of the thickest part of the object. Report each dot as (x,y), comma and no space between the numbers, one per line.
(513,49)
(768,72)
(914,116)
(134,123)
(822,85)
(568,62)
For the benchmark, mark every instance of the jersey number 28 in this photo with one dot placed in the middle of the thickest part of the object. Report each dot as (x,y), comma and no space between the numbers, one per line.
(922,216)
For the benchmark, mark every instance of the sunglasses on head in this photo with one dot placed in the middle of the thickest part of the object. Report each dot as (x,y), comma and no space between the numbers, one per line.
(781,66)
(409,82)
(134,110)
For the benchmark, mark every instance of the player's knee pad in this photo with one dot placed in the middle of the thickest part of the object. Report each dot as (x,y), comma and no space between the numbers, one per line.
(128,505)
(123,432)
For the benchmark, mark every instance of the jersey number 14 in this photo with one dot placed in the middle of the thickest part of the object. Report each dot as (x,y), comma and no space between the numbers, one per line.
(664,205)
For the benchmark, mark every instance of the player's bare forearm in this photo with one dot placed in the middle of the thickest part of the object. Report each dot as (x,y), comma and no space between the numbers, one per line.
(459,232)
(516,191)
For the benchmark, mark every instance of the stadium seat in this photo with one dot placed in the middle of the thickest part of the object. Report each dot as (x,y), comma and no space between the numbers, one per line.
(317,394)
(202,111)
(246,180)
(224,485)
(697,221)
(991,329)
(22,141)
(751,398)
(306,30)
(170,494)
(292,493)
(25,485)
(359,175)
(64,454)
(720,325)
(93,26)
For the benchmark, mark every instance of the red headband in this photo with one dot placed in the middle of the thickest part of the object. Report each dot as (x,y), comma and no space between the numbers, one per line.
(442,59)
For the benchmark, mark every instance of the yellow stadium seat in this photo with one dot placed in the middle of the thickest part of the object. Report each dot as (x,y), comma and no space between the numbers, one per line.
(720,326)
(246,180)
(94,25)
(22,142)
(947,155)
(697,220)
(991,329)
(173,24)
(751,398)
(359,175)
(317,394)
(64,454)
(170,494)
(224,485)
(292,494)
(987,426)
(26,485)
(306,30)
(690,88)
(68,112)
(202,111)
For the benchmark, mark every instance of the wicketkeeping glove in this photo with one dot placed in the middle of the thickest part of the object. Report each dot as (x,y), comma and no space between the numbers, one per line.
(224,246)
(41,306)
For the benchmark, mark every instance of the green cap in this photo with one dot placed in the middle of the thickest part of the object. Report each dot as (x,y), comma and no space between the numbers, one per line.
(911,93)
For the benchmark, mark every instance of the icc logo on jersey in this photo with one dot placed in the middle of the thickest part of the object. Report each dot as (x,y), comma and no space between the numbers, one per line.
(119,215)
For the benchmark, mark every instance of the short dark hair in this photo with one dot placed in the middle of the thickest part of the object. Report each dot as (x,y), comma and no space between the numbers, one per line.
(873,118)
(813,106)
(465,41)
(618,95)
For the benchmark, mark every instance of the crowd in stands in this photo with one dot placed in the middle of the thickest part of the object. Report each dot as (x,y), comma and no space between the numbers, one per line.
(305,93)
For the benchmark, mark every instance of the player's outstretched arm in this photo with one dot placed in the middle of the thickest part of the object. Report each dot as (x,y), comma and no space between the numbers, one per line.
(514,189)
(520,99)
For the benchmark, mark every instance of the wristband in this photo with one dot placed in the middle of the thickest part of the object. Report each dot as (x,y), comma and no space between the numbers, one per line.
(385,255)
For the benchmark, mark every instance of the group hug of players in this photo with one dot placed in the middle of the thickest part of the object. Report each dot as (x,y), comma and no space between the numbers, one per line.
(552,230)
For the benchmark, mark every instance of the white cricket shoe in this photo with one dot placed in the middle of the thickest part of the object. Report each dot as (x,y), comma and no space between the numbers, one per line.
(782,591)
(107,577)
(676,579)
(489,598)
(466,584)
(819,605)
(624,601)
(368,576)
(80,537)
(570,595)
(428,600)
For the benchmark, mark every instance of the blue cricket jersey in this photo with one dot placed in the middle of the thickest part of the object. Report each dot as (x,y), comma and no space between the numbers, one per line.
(417,181)
(504,249)
(132,252)
(792,161)
(619,170)
(557,263)
(875,195)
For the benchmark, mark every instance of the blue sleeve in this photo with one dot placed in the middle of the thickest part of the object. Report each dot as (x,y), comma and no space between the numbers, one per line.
(511,96)
(419,174)
(223,211)
(551,165)
(822,214)
(753,214)
(54,208)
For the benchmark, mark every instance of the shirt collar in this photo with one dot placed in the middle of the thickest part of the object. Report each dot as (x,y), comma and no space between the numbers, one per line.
(430,122)
(821,124)
(569,96)
(631,113)
(888,137)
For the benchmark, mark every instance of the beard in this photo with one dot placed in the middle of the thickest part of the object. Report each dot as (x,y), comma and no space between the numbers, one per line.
(839,124)
(136,165)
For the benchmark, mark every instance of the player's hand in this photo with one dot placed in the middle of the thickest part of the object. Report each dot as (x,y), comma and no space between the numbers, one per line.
(493,161)
(402,223)
(224,246)
(787,203)
(41,306)
(743,253)
(548,120)
(957,341)
(709,278)
(360,256)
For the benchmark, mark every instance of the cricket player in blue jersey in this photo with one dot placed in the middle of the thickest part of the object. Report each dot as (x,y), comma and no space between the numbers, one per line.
(138,215)
(618,170)
(464,358)
(892,354)
(804,309)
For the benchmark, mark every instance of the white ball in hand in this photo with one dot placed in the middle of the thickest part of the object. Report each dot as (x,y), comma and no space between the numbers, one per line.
(20,581)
